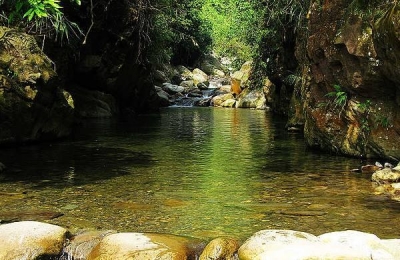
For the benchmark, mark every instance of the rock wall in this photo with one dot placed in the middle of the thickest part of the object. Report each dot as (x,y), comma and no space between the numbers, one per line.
(33,106)
(350,83)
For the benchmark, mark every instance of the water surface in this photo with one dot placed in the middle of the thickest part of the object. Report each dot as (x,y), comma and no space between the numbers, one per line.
(202,172)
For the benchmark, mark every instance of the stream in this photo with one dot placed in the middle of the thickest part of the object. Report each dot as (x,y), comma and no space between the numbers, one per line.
(201,172)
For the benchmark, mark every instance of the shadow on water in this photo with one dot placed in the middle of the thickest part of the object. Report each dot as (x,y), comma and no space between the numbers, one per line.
(86,158)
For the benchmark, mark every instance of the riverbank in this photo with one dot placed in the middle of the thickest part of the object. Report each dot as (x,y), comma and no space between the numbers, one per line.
(37,240)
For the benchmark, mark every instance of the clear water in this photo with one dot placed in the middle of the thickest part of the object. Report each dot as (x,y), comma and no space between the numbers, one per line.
(202,172)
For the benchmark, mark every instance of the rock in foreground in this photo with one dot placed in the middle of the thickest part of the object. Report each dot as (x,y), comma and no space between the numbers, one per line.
(30,240)
(144,246)
(287,244)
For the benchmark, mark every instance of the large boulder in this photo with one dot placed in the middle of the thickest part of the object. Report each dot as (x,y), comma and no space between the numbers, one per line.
(32,103)
(217,101)
(172,89)
(185,73)
(251,98)
(93,104)
(229,103)
(164,97)
(267,241)
(287,244)
(31,240)
(211,65)
(365,243)
(199,76)
(146,246)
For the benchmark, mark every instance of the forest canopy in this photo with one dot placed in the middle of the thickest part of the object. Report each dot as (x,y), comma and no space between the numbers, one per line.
(180,30)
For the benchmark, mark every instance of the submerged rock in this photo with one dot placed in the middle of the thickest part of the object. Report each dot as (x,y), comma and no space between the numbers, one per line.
(31,215)
(31,240)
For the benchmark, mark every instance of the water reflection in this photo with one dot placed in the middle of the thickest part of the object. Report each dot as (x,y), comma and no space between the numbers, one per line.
(201,172)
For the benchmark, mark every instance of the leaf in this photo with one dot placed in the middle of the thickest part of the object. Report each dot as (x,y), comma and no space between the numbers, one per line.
(331,94)
(28,13)
(30,16)
(337,88)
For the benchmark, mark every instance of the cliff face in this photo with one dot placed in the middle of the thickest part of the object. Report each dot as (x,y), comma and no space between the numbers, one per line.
(350,81)
(32,104)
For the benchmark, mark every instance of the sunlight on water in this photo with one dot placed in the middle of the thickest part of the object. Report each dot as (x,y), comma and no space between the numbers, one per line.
(200,172)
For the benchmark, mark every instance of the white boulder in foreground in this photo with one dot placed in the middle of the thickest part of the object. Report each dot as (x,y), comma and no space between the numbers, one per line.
(287,244)
(30,240)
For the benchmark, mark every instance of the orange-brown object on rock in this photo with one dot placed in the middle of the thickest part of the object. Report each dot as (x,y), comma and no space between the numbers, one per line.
(235,86)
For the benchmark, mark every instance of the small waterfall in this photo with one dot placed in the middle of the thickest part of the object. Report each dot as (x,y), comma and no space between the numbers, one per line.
(201,99)
(184,102)
(208,92)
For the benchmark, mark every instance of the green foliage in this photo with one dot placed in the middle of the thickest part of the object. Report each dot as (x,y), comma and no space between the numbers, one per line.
(236,27)
(379,119)
(339,97)
(38,9)
(282,22)
(369,9)
(383,121)
(179,34)
(365,107)
(43,17)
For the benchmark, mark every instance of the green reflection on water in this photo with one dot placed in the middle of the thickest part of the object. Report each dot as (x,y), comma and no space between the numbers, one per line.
(200,172)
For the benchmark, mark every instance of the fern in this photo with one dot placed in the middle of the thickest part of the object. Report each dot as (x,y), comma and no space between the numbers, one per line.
(44,17)
(339,97)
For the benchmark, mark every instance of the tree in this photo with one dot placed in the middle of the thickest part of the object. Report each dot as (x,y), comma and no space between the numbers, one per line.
(180,35)
(282,22)
(235,25)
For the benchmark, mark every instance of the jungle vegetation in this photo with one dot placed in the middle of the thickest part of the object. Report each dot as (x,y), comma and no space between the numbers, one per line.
(177,31)
(180,31)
